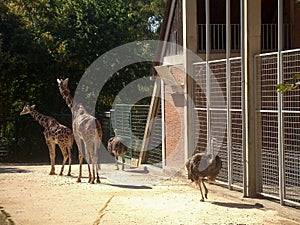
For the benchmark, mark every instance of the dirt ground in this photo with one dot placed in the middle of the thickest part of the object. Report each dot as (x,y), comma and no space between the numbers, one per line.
(144,195)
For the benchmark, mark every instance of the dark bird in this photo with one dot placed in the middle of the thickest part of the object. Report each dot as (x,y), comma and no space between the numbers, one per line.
(202,165)
(116,147)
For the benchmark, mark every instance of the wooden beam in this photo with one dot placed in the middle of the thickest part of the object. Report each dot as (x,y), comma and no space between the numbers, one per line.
(153,111)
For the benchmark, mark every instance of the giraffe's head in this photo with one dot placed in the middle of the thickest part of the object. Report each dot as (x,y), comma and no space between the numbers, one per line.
(27,109)
(63,86)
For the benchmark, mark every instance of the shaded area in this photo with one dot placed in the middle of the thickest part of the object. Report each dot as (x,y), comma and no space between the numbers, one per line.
(13,170)
(239,205)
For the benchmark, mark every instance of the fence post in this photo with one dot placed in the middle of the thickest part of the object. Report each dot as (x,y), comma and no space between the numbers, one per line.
(228,90)
(208,47)
(280,102)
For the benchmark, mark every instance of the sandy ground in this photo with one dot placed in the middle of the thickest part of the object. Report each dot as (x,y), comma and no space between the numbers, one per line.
(141,195)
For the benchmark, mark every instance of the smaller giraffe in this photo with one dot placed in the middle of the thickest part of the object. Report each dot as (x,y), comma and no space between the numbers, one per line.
(55,133)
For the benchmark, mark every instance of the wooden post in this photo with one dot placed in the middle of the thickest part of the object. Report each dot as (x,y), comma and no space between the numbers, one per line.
(153,110)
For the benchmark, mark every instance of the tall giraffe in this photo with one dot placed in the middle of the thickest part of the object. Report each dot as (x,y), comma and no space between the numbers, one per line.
(55,133)
(87,132)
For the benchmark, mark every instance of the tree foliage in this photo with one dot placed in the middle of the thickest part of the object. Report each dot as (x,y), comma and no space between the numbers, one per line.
(45,39)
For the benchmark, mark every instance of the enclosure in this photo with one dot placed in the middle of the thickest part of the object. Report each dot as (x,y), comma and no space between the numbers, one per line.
(130,121)
(277,122)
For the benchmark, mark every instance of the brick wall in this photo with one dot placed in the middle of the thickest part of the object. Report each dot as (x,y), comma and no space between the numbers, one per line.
(174,122)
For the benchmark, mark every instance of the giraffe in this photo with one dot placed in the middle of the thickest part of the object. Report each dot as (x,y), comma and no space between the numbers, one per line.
(55,133)
(87,133)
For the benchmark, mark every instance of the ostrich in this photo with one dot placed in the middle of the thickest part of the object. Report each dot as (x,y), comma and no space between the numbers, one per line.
(202,165)
(116,147)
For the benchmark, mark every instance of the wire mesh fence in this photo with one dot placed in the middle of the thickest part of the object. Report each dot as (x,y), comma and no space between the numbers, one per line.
(267,124)
(236,118)
(274,175)
(155,143)
(130,122)
(291,120)
(215,113)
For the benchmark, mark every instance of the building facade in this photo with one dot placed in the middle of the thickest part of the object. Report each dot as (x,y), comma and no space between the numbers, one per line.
(218,80)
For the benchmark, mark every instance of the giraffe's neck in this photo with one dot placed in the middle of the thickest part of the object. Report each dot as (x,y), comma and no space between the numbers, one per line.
(68,99)
(41,119)
(75,108)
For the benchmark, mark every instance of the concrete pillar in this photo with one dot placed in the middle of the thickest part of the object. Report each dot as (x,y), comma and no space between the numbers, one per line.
(251,19)
(189,17)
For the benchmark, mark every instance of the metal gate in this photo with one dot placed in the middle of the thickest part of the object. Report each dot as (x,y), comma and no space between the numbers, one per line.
(218,103)
(278,144)
(130,121)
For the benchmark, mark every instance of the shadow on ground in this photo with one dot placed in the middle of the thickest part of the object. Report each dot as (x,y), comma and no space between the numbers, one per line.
(141,171)
(239,205)
(129,186)
(13,170)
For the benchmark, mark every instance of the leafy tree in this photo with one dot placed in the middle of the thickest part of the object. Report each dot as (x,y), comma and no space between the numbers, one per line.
(46,39)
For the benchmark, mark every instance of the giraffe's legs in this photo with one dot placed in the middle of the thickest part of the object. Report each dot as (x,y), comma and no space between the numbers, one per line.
(63,165)
(97,169)
(80,167)
(70,161)
(97,147)
(80,156)
(93,175)
(65,155)
(90,174)
(95,164)
(87,148)
(51,147)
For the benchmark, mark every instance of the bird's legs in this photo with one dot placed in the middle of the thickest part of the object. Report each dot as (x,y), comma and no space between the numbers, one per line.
(123,160)
(205,188)
(117,163)
(199,184)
